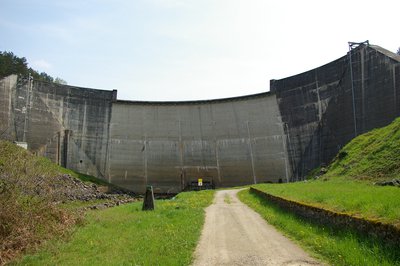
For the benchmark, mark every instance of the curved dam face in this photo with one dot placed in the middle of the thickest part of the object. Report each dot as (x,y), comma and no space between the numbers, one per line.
(278,136)
(229,142)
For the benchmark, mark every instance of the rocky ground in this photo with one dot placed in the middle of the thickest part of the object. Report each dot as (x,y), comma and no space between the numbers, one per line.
(393,182)
(66,188)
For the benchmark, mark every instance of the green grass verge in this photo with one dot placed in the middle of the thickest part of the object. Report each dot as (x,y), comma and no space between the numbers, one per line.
(345,196)
(125,235)
(337,246)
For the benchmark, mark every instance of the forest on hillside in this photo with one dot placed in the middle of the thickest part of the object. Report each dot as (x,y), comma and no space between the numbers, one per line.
(12,64)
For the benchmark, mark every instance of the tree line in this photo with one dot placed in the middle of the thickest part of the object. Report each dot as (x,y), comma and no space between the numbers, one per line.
(12,64)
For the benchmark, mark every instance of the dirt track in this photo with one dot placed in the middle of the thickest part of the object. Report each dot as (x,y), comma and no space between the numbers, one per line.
(234,234)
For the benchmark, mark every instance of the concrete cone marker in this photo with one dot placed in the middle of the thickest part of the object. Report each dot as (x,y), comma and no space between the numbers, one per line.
(148,203)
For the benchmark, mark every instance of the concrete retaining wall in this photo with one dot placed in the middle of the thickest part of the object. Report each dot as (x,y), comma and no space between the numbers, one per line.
(376,229)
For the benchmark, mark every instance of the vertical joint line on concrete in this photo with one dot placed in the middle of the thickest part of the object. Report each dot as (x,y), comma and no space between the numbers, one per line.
(180,144)
(27,106)
(66,146)
(291,151)
(319,116)
(201,139)
(352,90)
(58,157)
(361,124)
(108,148)
(251,153)
(216,152)
(181,155)
(318,97)
(145,158)
(394,90)
(285,152)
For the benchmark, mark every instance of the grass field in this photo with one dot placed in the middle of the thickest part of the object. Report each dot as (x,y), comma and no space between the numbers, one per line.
(125,235)
(345,196)
(336,246)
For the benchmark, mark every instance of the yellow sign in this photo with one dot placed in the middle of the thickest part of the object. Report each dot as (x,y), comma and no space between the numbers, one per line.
(200,182)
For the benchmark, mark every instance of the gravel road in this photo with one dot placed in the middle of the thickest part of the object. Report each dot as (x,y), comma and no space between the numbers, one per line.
(234,234)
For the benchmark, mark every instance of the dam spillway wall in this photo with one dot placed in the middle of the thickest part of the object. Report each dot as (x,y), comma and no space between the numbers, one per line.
(277,136)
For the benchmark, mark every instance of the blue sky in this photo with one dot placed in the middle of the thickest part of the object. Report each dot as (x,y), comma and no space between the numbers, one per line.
(189,49)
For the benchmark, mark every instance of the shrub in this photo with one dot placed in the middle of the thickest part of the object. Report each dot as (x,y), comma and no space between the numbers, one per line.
(28,213)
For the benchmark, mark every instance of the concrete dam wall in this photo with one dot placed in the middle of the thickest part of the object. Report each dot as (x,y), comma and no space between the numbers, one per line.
(67,124)
(324,108)
(230,142)
(277,136)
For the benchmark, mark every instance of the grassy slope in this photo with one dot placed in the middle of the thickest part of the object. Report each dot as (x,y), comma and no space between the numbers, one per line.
(373,156)
(348,185)
(14,159)
(126,235)
(20,163)
(25,218)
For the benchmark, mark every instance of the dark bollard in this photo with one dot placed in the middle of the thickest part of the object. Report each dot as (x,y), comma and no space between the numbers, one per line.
(148,203)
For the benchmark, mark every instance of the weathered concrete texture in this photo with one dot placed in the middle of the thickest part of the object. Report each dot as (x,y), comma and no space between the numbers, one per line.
(317,106)
(67,124)
(168,145)
(6,109)
(267,137)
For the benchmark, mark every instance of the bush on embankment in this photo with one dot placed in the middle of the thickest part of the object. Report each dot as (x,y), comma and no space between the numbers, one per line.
(28,214)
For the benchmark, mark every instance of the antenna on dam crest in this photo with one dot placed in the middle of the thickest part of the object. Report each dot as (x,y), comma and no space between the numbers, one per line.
(353,45)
